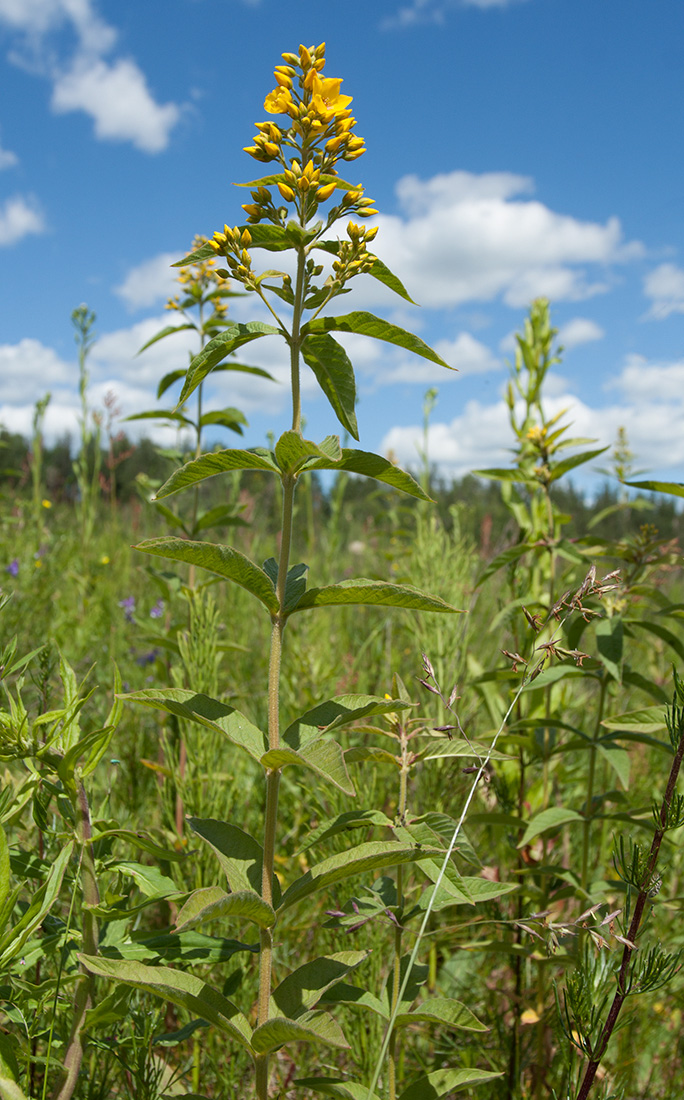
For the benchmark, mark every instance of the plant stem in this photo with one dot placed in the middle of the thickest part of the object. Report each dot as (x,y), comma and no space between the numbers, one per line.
(85,983)
(622,986)
(590,786)
(398,928)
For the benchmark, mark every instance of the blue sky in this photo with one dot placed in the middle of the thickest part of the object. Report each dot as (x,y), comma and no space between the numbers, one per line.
(514,148)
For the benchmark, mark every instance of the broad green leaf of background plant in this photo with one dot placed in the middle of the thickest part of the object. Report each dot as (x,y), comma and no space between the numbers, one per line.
(213,903)
(184,990)
(312,1027)
(441,1010)
(377,593)
(337,713)
(337,1087)
(552,818)
(646,720)
(303,988)
(672,488)
(240,855)
(609,643)
(222,560)
(323,757)
(441,1082)
(33,916)
(195,707)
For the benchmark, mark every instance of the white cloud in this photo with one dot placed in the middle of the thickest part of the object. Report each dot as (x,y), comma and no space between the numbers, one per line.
(18,218)
(472,238)
(113,93)
(665,287)
(8,159)
(650,407)
(580,330)
(435,11)
(117,98)
(152,281)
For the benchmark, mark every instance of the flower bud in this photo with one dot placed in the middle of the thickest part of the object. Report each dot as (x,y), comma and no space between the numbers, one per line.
(290,58)
(325,191)
(287,192)
(246,238)
(305,59)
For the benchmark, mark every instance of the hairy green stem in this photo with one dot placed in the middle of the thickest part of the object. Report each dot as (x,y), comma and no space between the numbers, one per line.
(398,928)
(86,981)
(590,786)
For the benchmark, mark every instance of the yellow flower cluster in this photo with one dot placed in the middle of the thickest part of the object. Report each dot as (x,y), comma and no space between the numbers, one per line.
(201,283)
(320,133)
(233,245)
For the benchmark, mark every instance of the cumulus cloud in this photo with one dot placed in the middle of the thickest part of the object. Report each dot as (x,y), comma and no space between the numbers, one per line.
(19,217)
(152,281)
(8,159)
(580,330)
(649,405)
(665,287)
(435,11)
(114,93)
(463,237)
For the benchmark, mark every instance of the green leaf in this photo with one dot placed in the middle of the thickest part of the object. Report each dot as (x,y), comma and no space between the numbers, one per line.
(168,379)
(335,375)
(441,1010)
(353,997)
(142,841)
(188,947)
(313,1027)
(660,632)
(204,252)
(646,720)
(168,331)
(232,337)
(617,758)
(295,582)
(222,560)
(292,452)
(353,819)
(337,713)
(570,463)
(218,462)
(672,488)
(304,987)
(507,557)
(229,418)
(383,274)
(609,643)
(4,869)
(194,707)
(372,465)
(184,990)
(367,324)
(212,903)
(441,1082)
(240,855)
(149,880)
(436,750)
(378,593)
(33,916)
(324,757)
(162,414)
(364,857)
(337,1087)
(552,818)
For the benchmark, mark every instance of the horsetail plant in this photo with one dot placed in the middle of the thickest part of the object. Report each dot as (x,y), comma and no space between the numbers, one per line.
(289,212)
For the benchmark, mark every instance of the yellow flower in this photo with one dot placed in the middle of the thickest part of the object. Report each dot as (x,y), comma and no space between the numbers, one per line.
(325,94)
(279,102)
(38,564)
(46,503)
(104,560)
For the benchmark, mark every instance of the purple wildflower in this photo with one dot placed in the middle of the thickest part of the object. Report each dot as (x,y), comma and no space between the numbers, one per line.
(158,610)
(129,607)
(13,567)
(147,658)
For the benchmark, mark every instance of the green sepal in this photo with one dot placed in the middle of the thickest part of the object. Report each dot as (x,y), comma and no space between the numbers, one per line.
(222,560)
(213,903)
(377,593)
(335,375)
(232,337)
(312,1027)
(239,854)
(178,987)
(367,324)
(303,988)
(324,757)
(371,465)
(364,857)
(195,707)
(209,465)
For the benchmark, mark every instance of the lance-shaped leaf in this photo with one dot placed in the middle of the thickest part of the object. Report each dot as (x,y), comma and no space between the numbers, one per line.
(313,1027)
(335,375)
(343,823)
(372,465)
(337,1087)
(365,857)
(195,707)
(161,335)
(561,468)
(184,990)
(337,713)
(377,593)
(33,916)
(552,818)
(442,1082)
(240,855)
(507,557)
(210,465)
(295,582)
(190,947)
(204,252)
(324,757)
(379,270)
(441,1010)
(226,418)
(672,488)
(304,987)
(232,337)
(212,903)
(292,452)
(367,324)
(353,997)
(222,560)
(646,720)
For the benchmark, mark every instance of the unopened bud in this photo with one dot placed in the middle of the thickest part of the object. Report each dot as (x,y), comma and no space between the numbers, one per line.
(287,192)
